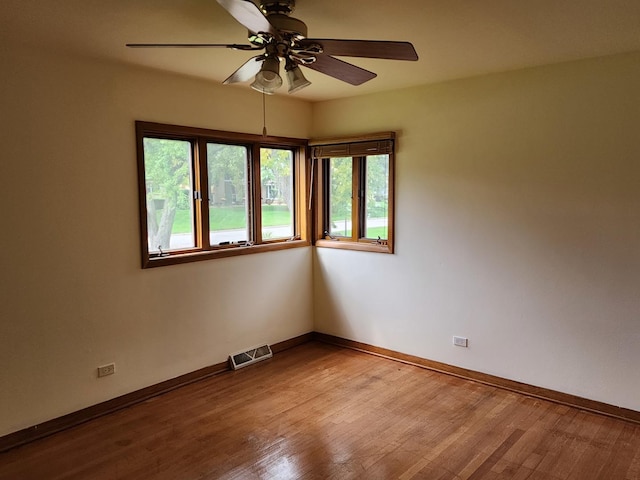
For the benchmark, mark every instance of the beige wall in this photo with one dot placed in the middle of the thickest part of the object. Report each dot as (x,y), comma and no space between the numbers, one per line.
(518,226)
(72,293)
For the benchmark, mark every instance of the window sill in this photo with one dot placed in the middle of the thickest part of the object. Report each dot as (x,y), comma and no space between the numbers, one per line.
(363,246)
(227,251)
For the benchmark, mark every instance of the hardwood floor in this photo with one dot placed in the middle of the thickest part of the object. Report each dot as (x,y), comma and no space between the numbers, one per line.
(322,412)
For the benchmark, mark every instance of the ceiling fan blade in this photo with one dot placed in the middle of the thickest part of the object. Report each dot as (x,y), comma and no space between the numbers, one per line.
(248,70)
(341,70)
(193,45)
(363,48)
(248,14)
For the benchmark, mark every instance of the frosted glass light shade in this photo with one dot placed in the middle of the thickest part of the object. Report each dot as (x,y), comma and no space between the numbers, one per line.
(296,79)
(268,79)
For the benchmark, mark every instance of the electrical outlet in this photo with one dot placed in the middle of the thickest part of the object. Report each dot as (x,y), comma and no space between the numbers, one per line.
(461,341)
(105,370)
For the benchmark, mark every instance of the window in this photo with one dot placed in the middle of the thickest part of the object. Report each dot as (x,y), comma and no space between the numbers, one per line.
(207,194)
(276,185)
(355,193)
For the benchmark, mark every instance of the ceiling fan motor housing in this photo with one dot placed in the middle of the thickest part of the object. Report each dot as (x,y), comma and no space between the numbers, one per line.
(284,7)
(288,25)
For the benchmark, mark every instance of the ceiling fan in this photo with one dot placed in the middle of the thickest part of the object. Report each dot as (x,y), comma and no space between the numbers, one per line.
(284,38)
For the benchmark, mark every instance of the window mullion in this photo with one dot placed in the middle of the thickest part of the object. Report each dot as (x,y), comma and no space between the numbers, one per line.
(323,183)
(298,192)
(201,201)
(256,195)
(355,199)
(362,197)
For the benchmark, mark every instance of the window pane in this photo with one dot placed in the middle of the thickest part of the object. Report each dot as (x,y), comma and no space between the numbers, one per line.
(340,195)
(168,177)
(228,206)
(377,197)
(276,187)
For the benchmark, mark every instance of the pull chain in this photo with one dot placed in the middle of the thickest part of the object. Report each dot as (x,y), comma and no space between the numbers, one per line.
(264,116)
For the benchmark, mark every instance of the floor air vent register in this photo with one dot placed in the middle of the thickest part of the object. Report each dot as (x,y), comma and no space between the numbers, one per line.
(250,357)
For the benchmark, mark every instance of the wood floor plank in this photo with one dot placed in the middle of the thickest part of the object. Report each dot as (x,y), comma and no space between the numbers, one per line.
(633,472)
(318,411)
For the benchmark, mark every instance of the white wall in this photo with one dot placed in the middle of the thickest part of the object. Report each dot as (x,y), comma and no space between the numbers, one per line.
(518,226)
(72,293)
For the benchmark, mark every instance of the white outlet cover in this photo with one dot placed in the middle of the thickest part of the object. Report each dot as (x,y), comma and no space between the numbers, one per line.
(460,341)
(105,370)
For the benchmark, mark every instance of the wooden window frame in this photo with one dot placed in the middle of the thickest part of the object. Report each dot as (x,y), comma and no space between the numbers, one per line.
(199,137)
(358,148)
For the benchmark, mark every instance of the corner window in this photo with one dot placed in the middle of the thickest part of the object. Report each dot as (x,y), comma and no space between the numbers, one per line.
(207,194)
(355,193)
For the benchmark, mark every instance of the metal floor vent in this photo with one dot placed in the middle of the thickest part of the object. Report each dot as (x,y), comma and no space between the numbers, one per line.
(249,357)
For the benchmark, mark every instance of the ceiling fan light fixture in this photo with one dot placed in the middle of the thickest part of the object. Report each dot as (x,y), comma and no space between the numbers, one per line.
(268,79)
(296,79)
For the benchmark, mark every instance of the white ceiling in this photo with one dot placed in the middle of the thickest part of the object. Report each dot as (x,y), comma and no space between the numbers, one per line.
(454,38)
